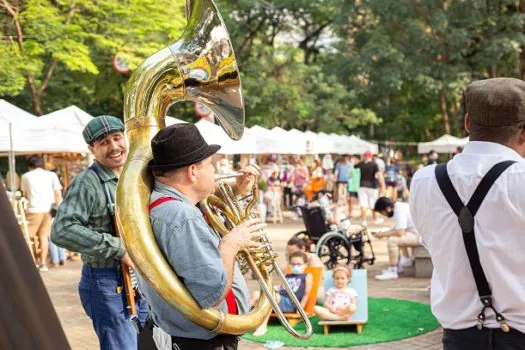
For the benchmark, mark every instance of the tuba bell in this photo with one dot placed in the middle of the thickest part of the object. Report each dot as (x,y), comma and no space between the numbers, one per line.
(199,67)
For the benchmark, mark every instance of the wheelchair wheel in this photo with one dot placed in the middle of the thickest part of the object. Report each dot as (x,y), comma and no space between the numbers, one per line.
(333,249)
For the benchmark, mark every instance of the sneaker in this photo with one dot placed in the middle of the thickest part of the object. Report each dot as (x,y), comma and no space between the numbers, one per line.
(43,268)
(406,262)
(391,274)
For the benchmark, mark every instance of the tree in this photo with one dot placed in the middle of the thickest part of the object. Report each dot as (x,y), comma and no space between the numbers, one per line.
(80,36)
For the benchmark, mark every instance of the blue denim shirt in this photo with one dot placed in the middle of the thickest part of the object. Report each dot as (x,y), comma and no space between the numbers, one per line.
(192,249)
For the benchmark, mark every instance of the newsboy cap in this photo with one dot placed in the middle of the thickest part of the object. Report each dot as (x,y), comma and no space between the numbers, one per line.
(496,102)
(101,126)
(179,145)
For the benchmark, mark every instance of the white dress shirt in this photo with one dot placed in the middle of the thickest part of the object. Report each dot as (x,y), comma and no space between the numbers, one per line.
(500,237)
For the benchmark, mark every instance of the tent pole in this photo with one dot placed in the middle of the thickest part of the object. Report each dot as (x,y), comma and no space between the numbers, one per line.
(11,157)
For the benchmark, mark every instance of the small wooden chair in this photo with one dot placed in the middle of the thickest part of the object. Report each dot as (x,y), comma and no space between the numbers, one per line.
(294,317)
(360,317)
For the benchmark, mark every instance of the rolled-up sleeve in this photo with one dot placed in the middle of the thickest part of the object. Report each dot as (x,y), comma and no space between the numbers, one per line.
(193,252)
(70,227)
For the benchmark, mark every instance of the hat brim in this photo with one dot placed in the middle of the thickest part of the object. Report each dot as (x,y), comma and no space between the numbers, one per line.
(210,150)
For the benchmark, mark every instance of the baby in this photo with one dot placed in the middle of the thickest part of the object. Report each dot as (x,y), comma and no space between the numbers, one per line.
(340,303)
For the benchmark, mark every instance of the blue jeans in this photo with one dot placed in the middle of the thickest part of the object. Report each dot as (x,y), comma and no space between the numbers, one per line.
(107,308)
(57,254)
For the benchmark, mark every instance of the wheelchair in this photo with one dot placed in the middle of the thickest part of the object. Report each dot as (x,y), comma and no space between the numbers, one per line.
(335,245)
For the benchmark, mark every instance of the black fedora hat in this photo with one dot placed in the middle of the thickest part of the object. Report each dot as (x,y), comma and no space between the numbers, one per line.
(179,145)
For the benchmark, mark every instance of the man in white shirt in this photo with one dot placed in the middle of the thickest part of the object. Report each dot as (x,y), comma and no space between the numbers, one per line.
(495,120)
(402,236)
(42,189)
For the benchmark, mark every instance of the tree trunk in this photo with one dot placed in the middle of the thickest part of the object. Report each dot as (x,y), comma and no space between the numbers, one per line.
(444,112)
(455,117)
(37,103)
(522,54)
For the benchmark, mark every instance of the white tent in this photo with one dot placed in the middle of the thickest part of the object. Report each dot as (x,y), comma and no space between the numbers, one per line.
(294,142)
(214,134)
(361,146)
(304,141)
(342,144)
(31,134)
(270,141)
(444,144)
(321,145)
(71,117)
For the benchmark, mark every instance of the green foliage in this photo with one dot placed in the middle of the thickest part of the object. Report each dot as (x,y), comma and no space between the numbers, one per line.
(323,65)
(60,44)
(12,80)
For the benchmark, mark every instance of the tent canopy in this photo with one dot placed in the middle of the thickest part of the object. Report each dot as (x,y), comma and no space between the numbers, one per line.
(269,141)
(31,134)
(214,134)
(444,144)
(71,117)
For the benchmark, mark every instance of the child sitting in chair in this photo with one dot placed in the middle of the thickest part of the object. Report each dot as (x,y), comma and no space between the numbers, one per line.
(301,284)
(341,301)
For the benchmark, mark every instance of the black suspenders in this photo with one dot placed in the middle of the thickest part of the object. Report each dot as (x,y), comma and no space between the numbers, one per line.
(465,214)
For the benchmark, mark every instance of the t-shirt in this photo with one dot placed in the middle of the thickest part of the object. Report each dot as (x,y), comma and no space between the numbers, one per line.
(403,218)
(343,171)
(298,284)
(355,180)
(368,173)
(392,172)
(40,185)
(380,163)
(340,298)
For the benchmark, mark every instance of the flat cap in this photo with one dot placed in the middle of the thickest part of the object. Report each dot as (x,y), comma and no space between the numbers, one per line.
(101,126)
(496,102)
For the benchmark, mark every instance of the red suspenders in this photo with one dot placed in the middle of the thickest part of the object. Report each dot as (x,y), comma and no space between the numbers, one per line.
(230,297)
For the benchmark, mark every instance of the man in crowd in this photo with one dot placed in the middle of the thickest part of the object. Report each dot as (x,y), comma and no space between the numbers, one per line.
(368,193)
(84,224)
(402,236)
(184,176)
(474,233)
(42,190)
(342,172)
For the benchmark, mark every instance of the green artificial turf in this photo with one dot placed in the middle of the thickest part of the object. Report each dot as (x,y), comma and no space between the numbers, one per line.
(388,320)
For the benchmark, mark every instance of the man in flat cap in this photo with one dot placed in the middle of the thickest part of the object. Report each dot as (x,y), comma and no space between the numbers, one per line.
(184,176)
(470,213)
(84,224)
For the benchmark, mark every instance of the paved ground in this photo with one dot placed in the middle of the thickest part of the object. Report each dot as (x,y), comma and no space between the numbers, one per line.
(62,287)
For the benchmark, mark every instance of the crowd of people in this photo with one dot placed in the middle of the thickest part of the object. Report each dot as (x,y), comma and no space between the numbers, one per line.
(476,245)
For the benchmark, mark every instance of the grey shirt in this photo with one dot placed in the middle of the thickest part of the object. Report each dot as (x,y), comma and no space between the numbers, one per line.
(192,249)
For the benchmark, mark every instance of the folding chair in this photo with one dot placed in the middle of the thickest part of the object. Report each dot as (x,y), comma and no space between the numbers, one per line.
(294,317)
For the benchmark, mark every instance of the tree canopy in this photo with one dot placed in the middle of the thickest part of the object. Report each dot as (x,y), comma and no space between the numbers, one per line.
(392,70)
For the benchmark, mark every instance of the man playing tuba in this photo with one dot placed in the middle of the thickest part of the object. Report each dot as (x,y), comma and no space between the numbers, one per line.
(184,175)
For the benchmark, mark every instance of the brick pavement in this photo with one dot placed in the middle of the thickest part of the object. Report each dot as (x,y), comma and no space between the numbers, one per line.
(62,287)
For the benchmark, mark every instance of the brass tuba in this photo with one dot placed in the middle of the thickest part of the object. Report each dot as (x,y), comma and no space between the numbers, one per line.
(201,67)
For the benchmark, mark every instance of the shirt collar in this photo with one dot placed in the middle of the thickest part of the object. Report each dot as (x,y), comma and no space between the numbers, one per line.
(169,191)
(483,147)
(104,172)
